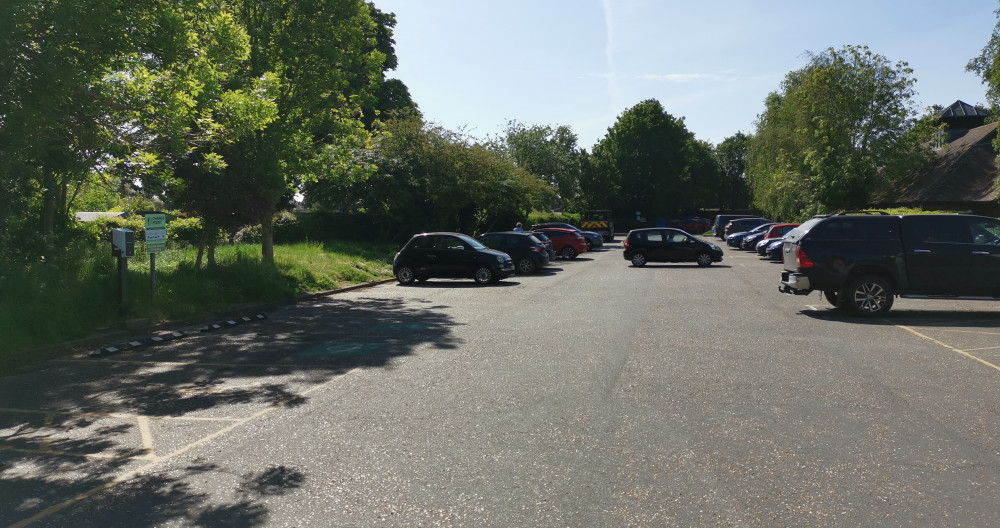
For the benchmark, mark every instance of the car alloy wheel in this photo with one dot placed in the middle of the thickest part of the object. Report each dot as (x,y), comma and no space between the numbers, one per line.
(405,275)
(483,275)
(704,259)
(869,296)
(568,253)
(525,265)
(639,259)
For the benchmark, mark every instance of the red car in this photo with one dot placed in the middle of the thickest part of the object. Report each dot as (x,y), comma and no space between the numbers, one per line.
(567,243)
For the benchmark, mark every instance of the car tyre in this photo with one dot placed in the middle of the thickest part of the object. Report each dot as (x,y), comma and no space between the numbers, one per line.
(484,275)
(704,259)
(405,275)
(639,260)
(568,253)
(526,265)
(869,296)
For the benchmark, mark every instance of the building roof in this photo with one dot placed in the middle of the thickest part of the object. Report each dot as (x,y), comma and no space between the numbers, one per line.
(965,171)
(961,109)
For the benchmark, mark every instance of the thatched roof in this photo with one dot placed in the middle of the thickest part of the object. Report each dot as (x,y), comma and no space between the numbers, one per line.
(965,172)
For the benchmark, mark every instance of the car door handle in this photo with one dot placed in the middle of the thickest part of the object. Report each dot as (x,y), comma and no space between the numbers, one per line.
(980,252)
(921,251)
(432,256)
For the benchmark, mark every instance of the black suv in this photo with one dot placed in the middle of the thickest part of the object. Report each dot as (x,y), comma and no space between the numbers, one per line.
(664,244)
(449,255)
(527,251)
(862,262)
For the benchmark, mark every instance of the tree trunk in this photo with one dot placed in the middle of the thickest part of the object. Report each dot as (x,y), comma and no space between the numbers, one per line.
(212,242)
(267,240)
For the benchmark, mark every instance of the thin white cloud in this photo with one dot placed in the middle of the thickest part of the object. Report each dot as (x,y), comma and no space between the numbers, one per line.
(609,52)
(690,77)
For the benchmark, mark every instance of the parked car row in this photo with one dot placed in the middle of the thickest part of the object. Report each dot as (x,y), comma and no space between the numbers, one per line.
(665,244)
(592,238)
(764,239)
(490,257)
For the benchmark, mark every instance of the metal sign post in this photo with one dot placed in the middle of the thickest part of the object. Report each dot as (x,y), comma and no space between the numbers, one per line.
(156,241)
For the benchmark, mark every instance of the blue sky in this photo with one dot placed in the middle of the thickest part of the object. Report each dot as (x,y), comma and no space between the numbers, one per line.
(474,65)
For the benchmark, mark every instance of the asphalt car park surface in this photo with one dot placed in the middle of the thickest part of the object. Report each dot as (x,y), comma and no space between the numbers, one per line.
(591,394)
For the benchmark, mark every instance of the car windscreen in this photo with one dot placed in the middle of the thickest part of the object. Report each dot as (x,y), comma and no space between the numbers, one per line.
(471,242)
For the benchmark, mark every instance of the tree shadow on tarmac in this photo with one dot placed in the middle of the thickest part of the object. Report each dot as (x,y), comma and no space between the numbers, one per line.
(68,429)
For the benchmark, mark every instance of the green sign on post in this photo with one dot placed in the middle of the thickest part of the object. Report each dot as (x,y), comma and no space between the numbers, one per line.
(156,232)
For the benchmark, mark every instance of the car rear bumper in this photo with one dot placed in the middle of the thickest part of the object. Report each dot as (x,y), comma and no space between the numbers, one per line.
(794,283)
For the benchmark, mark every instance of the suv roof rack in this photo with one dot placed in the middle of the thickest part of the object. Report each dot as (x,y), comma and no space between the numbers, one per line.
(863,212)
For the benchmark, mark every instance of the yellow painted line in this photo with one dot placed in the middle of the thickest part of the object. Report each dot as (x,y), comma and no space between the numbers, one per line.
(154,460)
(145,434)
(971,332)
(949,347)
(52,452)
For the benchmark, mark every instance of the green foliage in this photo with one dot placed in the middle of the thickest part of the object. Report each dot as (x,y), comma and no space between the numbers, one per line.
(541,217)
(427,178)
(841,129)
(988,69)
(731,157)
(645,164)
(552,155)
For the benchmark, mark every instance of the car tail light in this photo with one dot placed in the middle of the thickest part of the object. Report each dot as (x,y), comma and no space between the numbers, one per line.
(626,243)
(803,260)
(536,249)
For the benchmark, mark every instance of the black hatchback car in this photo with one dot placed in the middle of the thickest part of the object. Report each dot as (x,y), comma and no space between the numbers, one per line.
(527,251)
(664,244)
(449,255)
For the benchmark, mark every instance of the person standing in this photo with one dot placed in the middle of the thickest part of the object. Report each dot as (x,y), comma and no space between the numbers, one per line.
(518,227)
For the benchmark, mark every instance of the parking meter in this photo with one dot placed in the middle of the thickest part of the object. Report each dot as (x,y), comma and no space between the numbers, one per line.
(122,242)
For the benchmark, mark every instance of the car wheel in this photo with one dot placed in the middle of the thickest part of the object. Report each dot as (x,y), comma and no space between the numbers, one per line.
(526,265)
(568,253)
(869,296)
(704,259)
(405,275)
(483,275)
(639,259)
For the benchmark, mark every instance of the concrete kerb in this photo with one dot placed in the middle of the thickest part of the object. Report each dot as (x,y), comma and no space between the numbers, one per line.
(170,331)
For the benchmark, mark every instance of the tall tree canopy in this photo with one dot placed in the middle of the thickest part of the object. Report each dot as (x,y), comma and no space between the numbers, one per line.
(60,64)
(841,129)
(988,68)
(644,163)
(730,155)
(550,154)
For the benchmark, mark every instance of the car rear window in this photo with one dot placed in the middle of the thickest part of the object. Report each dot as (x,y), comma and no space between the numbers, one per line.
(854,228)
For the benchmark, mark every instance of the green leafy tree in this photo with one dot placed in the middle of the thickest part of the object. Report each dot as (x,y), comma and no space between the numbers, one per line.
(730,155)
(988,69)
(60,119)
(326,63)
(429,178)
(550,154)
(841,130)
(644,162)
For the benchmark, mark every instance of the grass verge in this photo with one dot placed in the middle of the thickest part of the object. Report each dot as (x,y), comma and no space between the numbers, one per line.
(46,304)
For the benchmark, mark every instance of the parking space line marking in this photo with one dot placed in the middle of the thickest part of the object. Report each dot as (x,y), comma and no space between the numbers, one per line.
(155,460)
(199,364)
(124,416)
(53,452)
(949,347)
(145,434)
